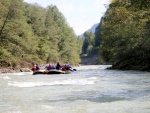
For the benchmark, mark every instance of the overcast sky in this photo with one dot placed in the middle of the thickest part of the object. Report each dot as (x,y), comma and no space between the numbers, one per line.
(80,14)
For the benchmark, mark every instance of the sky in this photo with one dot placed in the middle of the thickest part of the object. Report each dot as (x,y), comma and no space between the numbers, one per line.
(81,15)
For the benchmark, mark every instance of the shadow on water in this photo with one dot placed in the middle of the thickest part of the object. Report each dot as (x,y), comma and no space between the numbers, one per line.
(101,99)
(88,96)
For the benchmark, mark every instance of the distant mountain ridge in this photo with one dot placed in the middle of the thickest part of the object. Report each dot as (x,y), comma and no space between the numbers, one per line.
(92,29)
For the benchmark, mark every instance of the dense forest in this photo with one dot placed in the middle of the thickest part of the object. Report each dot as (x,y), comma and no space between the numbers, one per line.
(31,33)
(123,36)
(126,34)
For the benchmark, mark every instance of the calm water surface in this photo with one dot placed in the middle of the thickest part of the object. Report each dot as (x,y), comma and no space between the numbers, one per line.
(91,89)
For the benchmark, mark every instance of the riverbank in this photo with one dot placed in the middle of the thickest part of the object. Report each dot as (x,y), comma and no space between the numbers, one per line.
(17,70)
(89,60)
(14,70)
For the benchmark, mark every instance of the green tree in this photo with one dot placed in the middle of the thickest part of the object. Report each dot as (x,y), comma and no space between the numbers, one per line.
(88,43)
(30,33)
(124,33)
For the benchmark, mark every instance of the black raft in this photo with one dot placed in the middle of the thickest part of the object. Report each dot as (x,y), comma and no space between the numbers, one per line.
(51,72)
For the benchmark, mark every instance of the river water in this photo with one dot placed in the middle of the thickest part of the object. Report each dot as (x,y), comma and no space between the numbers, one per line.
(91,89)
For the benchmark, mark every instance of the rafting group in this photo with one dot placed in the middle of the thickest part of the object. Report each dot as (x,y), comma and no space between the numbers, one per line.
(52,69)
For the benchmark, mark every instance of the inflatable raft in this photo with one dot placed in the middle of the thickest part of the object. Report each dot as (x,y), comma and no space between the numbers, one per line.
(51,72)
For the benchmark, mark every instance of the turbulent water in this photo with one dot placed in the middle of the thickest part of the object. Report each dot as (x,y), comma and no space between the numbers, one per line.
(91,89)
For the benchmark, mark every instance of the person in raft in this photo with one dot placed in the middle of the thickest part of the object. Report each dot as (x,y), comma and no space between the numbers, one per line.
(66,67)
(35,67)
(49,67)
(58,66)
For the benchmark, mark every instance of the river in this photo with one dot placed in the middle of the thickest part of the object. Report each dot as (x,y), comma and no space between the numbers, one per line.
(90,89)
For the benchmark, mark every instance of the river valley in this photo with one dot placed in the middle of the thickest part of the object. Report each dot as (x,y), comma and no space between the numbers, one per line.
(90,89)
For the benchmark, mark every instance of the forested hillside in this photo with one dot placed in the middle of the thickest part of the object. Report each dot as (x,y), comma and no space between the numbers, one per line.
(126,34)
(31,33)
(91,44)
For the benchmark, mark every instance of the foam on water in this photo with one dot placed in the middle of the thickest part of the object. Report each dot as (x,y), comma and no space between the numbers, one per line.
(84,106)
(25,84)
(20,73)
(92,67)
(6,78)
(83,81)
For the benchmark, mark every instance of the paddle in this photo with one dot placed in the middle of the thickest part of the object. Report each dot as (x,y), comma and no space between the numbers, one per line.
(74,70)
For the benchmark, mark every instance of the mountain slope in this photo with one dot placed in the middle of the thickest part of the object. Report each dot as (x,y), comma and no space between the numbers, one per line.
(92,29)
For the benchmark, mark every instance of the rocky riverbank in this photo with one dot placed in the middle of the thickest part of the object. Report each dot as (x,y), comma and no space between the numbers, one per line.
(14,70)
(89,60)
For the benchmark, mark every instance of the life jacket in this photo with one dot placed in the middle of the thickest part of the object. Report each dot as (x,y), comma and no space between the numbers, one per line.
(34,68)
(37,68)
(64,68)
(50,67)
(69,68)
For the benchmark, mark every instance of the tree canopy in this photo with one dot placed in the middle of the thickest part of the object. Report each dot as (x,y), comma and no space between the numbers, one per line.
(31,33)
(126,34)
